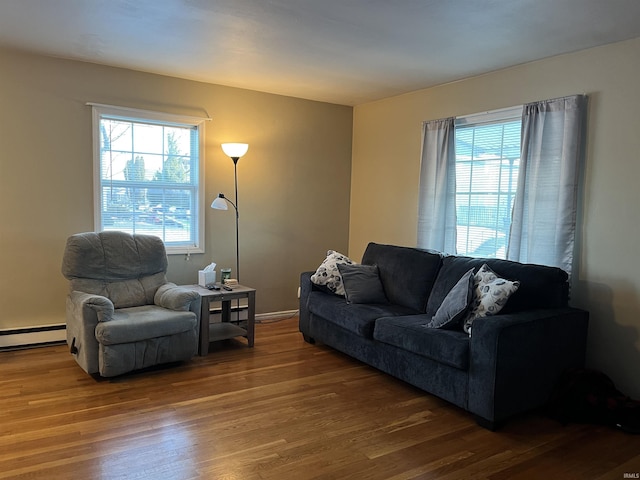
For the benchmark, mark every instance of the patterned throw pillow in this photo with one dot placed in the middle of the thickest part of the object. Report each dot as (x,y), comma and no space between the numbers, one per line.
(328,274)
(491,294)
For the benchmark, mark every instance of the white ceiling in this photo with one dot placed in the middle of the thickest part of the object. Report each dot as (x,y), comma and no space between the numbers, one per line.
(339,51)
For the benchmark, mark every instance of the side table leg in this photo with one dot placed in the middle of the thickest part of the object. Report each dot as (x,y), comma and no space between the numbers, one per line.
(251,317)
(204,326)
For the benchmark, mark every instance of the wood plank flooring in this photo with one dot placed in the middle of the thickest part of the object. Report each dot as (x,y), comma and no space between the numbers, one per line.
(282,410)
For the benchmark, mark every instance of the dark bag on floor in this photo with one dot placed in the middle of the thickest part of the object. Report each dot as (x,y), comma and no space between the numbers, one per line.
(590,396)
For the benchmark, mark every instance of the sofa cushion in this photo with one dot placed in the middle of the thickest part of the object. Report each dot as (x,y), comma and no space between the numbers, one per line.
(456,304)
(327,275)
(362,284)
(540,286)
(407,274)
(358,318)
(450,347)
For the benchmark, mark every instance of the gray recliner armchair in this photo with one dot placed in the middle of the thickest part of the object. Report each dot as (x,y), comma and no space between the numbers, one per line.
(122,314)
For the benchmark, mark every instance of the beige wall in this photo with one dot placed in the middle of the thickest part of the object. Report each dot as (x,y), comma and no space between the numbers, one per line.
(386,164)
(294,181)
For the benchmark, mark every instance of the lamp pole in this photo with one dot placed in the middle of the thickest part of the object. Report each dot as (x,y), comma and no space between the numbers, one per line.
(235,175)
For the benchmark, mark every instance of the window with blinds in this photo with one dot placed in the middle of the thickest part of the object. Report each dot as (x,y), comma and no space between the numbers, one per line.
(487,163)
(148,175)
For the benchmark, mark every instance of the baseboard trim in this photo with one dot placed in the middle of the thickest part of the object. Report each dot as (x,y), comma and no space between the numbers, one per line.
(44,335)
(276,315)
(31,337)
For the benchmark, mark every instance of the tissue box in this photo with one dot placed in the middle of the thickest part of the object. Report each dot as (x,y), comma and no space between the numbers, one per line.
(206,278)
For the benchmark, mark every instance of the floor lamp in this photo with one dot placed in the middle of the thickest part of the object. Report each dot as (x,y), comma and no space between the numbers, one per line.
(234,151)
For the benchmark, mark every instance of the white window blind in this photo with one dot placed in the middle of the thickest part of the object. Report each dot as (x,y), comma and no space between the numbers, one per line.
(487,162)
(147,175)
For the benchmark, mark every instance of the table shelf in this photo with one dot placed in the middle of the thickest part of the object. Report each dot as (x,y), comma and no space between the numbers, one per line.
(224,331)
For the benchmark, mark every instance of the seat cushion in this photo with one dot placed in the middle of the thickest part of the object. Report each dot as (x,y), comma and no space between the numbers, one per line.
(358,318)
(142,323)
(449,347)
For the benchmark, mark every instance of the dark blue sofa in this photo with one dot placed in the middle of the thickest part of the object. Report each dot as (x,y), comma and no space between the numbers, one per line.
(508,365)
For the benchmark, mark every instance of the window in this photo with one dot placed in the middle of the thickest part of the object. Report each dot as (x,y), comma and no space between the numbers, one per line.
(487,150)
(148,175)
(504,183)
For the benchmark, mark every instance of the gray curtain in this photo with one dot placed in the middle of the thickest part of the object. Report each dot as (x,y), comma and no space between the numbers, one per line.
(437,200)
(545,208)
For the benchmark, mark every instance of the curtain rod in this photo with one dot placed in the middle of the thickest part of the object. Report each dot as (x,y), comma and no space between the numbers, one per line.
(499,111)
(504,110)
(152,112)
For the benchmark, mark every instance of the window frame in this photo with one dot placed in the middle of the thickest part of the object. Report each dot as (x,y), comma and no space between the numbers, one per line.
(99,111)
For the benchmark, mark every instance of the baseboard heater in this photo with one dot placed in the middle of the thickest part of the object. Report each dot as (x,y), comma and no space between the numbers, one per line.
(29,337)
(45,335)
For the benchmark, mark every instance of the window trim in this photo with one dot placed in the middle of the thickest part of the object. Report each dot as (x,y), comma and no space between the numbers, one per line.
(139,115)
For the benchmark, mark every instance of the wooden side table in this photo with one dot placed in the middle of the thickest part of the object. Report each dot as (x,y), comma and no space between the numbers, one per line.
(225,329)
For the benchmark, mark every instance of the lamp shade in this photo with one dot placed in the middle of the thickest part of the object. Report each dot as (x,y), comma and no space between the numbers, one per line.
(235,150)
(220,203)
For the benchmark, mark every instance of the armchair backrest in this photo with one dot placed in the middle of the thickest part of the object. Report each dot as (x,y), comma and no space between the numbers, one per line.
(127,269)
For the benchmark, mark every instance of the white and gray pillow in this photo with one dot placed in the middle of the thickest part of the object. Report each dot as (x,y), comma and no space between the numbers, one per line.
(328,275)
(490,295)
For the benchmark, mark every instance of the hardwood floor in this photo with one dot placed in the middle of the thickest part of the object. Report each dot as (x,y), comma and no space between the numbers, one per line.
(282,410)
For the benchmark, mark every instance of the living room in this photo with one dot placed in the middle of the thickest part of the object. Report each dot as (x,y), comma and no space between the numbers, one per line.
(317,176)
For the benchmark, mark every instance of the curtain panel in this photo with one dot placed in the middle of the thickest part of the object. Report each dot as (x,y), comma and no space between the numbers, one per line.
(544,215)
(437,197)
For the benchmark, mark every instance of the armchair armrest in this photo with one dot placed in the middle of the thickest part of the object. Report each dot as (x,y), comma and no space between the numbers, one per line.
(516,359)
(173,297)
(84,312)
(87,305)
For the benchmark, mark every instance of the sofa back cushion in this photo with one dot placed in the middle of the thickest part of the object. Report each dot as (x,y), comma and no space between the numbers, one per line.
(540,286)
(407,274)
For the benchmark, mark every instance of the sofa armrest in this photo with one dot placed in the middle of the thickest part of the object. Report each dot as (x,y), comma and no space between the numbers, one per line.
(516,359)
(306,287)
